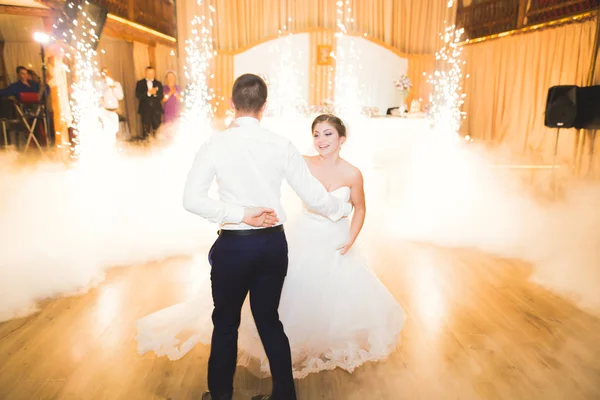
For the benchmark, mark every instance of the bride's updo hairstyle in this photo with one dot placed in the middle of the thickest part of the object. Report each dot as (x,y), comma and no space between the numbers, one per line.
(331,119)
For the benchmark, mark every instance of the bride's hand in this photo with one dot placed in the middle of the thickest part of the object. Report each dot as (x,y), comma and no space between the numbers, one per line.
(346,247)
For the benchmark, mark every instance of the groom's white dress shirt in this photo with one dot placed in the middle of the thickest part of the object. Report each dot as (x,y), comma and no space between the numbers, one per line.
(250,164)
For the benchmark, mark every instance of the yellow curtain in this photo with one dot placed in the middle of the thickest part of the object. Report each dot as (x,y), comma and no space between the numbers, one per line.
(221,82)
(412,27)
(589,162)
(509,81)
(419,68)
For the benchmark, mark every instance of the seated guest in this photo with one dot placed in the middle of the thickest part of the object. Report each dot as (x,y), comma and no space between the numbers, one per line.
(36,80)
(33,77)
(23,85)
(29,82)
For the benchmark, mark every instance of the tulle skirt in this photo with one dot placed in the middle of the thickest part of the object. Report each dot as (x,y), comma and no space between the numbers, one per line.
(335,311)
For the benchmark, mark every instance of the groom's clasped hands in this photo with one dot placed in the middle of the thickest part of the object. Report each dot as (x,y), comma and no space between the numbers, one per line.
(260,217)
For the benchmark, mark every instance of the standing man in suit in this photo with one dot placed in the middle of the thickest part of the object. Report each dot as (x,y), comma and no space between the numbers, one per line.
(149,93)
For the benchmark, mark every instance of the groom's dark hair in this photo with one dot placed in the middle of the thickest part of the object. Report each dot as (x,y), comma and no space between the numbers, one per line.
(249,93)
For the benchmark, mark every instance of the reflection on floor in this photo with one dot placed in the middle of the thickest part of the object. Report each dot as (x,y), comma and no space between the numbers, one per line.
(476,329)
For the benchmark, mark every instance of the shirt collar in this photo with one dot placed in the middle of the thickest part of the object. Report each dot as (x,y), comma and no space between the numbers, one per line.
(245,121)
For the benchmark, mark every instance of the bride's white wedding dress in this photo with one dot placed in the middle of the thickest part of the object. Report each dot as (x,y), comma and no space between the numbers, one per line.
(335,311)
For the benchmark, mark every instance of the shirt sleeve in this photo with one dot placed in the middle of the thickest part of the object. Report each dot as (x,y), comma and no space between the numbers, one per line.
(310,190)
(195,196)
(11,90)
(118,91)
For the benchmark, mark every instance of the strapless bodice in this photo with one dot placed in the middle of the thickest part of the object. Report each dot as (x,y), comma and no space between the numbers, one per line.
(342,193)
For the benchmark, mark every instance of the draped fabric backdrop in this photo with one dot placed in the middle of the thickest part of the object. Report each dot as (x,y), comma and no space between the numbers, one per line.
(509,81)
(141,59)
(590,160)
(166,60)
(19,48)
(410,27)
(26,54)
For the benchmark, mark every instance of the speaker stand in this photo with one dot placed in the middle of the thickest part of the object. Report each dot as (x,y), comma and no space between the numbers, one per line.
(591,167)
(554,184)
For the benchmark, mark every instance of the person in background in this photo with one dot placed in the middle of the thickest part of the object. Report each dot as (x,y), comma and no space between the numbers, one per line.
(23,85)
(149,93)
(29,82)
(173,98)
(112,93)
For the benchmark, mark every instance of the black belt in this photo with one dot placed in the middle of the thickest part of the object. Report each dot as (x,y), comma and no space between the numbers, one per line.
(250,232)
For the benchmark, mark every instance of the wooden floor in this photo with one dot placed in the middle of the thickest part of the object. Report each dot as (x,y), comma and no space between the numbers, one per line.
(476,329)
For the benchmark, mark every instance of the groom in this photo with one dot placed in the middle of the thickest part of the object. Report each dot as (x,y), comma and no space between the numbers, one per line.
(250,254)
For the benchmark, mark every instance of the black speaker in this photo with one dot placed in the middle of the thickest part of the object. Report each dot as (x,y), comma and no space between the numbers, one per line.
(561,107)
(588,108)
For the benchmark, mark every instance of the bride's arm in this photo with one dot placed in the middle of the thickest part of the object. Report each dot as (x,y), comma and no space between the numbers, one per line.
(357,197)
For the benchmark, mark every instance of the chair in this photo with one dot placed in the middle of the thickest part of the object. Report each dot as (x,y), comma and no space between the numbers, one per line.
(7,117)
(3,122)
(27,98)
(12,125)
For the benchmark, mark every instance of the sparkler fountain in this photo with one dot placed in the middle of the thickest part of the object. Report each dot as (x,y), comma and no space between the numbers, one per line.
(447,97)
(79,33)
(347,85)
(200,53)
(285,92)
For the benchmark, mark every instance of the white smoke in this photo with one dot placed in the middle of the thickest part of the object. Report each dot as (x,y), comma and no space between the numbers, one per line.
(62,226)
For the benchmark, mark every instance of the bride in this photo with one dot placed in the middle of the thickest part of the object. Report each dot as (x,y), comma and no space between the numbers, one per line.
(334,310)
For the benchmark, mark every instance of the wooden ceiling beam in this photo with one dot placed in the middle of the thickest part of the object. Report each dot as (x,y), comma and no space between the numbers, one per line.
(28,11)
(114,26)
(127,30)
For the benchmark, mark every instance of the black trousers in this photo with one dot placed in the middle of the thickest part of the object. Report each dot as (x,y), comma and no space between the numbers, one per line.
(255,264)
(151,121)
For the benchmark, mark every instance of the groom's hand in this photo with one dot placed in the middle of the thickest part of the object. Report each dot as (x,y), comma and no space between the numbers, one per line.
(260,217)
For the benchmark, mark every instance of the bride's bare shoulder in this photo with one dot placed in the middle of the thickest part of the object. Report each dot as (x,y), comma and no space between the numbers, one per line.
(352,175)
(350,170)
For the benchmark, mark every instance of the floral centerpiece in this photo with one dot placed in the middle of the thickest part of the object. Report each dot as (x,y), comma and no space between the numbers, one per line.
(403,84)
(327,106)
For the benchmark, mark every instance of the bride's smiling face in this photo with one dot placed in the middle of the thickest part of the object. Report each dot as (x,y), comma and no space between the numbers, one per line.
(326,139)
